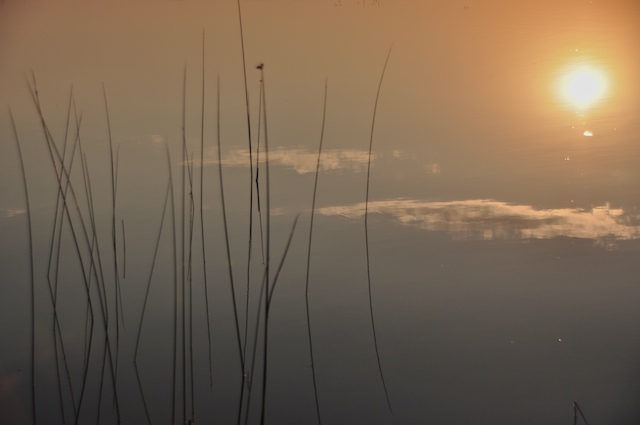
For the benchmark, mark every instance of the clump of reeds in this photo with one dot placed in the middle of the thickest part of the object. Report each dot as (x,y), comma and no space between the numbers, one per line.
(105,329)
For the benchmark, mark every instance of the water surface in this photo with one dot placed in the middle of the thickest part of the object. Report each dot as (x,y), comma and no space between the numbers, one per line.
(502,221)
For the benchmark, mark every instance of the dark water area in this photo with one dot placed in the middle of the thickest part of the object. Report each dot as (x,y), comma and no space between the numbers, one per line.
(474,255)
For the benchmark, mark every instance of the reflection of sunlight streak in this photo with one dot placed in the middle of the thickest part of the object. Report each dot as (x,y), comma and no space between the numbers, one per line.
(302,161)
(488,219)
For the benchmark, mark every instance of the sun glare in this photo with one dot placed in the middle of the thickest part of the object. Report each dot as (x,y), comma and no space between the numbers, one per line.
(582,86)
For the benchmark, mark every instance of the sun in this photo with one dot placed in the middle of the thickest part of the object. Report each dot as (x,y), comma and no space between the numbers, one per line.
(583,85)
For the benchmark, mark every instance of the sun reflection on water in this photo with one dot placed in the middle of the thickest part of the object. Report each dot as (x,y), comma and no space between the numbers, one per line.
(582,85)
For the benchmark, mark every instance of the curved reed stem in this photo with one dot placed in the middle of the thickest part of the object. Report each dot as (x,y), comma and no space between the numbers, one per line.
(202,238)
(31,274)
(306,292)
(366,235)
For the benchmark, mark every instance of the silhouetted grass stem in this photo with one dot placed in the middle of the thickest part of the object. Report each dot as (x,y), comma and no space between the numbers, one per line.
(366,233)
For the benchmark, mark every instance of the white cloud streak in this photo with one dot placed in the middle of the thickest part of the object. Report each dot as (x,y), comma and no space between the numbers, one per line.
(8,212)
(301,160)
(488,219)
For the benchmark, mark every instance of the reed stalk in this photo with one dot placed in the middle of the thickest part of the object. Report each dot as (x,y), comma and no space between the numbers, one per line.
(226,231)
(190,285)
(246,96)
(146,298)
(202,236)
(124,251)
(366,234)
(306,290)
(576,411)
(267,249)
(183,254)
(175,294)
(60,174)
(116,274)
(32,289)
(53,286)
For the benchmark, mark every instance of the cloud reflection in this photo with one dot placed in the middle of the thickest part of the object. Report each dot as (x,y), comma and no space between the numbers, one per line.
(301,160)
(8,212)
(488,219)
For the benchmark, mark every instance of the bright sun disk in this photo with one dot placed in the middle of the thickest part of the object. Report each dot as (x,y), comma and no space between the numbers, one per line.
(583,86)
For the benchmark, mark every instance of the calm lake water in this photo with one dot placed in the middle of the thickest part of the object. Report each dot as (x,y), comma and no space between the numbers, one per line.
(476,227)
